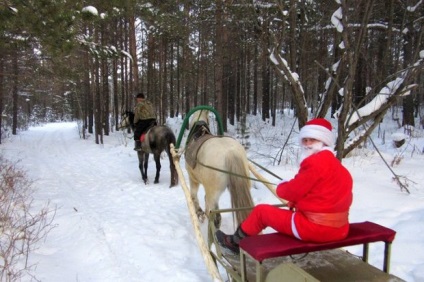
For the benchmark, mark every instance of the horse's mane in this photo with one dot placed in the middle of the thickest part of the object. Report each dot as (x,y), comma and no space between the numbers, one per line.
(130,114)
(201,115)
(127,119)
(199,125)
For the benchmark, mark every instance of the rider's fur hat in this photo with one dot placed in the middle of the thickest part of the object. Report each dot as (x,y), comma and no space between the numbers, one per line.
(140,95)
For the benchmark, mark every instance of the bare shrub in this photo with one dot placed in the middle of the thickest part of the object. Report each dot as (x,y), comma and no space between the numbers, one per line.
(22,225)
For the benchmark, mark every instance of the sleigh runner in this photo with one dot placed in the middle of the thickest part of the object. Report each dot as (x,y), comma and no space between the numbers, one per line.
(277,257)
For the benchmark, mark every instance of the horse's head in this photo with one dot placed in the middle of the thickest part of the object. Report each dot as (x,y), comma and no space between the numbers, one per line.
(198,116)
(199,124)
(127,120)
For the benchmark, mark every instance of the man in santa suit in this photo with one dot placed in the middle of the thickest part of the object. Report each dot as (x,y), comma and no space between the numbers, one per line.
(319,195)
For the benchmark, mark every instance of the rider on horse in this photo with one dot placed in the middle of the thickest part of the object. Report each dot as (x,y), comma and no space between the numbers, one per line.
(144,118)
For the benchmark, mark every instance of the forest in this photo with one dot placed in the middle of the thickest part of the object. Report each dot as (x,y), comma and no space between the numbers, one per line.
(354,61)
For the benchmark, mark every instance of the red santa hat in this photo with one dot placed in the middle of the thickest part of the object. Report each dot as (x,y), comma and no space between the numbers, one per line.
(319,129)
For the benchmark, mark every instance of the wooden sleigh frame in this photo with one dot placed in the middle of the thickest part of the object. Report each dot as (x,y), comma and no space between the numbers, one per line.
(258,249)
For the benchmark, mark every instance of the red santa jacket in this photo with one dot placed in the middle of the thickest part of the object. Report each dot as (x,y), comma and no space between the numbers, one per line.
(321,190)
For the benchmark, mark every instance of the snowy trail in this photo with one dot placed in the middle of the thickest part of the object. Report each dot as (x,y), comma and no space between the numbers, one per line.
(101,203)
(112,227)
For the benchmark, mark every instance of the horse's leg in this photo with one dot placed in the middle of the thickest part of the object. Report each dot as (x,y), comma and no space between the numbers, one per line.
(174,174)
(213,205)
(194,188)
(212,194)
(142,165)
(145,165)
(158,166)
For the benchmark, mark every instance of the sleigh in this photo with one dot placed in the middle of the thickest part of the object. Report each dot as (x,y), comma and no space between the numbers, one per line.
(277,257)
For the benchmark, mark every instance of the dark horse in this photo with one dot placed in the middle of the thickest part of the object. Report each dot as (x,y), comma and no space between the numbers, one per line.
(158,139)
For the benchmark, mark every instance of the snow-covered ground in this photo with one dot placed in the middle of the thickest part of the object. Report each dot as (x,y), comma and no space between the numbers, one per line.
(112,227)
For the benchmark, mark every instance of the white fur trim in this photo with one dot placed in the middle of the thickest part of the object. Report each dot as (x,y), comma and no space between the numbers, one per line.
(294,229)
(318,132)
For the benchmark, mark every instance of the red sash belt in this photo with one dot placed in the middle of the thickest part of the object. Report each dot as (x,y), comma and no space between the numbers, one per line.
(335,219)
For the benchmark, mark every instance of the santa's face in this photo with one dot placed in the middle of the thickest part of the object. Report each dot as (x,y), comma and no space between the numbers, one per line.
(309,147)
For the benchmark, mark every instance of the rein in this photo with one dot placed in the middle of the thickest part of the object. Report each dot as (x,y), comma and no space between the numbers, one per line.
(122,127)
(232,173)
(266,170)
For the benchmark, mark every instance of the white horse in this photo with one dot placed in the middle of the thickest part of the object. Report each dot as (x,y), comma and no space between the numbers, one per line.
(216,162)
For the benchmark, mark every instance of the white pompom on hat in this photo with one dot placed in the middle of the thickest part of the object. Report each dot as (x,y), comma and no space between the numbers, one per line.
(319,129)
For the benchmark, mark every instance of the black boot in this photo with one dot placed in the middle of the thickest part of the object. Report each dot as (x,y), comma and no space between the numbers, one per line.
(230,242)
(137,145)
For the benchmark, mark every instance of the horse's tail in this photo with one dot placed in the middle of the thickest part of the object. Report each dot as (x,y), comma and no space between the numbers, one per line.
(170,139)
(239,184)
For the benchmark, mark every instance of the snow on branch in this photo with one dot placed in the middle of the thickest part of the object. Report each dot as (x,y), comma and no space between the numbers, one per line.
(91,10)
(284,68)
(125,53)
(379,100)
(415,7)
(100,50)
(386,92)
(336,19)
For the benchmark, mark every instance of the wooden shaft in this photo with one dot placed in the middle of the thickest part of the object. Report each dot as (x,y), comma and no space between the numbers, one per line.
(210,264)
